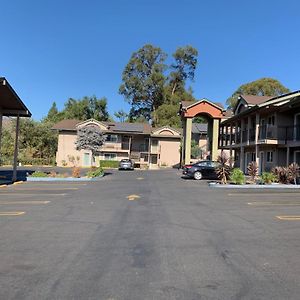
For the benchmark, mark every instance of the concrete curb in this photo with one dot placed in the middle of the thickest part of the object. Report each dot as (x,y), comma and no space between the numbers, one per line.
(253,186)
(68,179)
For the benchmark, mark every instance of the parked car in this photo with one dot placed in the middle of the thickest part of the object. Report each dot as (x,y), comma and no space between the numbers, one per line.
(201,169)
(126,164)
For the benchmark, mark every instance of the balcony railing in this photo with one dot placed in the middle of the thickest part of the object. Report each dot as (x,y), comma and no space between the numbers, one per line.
(283,134)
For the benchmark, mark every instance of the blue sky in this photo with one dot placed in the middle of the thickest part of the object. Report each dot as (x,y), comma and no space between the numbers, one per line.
(53,50)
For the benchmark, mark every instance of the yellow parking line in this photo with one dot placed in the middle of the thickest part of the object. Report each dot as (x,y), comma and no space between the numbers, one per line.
(288,218)
(43,189)
(31,194)
(12,213)
(18,182)
(273,204)
(24,202)
(264,194)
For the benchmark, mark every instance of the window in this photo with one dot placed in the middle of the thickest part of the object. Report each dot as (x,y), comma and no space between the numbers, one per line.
(270,156)
(110,156)
(112,138)
(154,143)
(271,120)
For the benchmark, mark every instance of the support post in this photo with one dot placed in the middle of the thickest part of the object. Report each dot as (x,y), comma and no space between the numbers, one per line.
(14,177)
(215,133)
(287,156)
(1,115)
(256,143)
(188,140)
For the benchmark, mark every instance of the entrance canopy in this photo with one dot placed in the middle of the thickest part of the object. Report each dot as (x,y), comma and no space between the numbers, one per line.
(11,106)
(10,103)
(190,109)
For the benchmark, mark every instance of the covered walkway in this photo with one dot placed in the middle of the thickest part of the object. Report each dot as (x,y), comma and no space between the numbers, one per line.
(11,106)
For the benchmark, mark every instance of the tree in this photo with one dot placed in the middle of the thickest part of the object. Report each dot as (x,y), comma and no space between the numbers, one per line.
(53,114)
(86,108)
(90,138)
(195,150)
(167,115)
(260,87)
(143,80)
(121,115)
(183,68)
(37,142)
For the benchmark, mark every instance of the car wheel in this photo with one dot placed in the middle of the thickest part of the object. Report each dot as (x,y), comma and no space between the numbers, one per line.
(197,175)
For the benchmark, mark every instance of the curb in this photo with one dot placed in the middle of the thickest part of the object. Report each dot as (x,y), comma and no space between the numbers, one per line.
(68,179)
(254,186)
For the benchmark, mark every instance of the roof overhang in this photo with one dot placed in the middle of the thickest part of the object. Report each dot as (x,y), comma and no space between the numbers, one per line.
(10,103)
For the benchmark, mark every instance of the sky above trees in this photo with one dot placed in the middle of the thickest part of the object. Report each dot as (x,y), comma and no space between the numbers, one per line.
(55,50)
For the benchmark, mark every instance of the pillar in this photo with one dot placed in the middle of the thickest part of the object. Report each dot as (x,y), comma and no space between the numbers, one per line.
(188,140)
(1,115)
(215,138)
(287,156)
(256,143)
(14,177)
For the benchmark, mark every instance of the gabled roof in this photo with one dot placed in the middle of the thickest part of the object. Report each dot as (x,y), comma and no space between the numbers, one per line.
(69,125)
(274,102)
(134,128)
(92,121)
(163,128)
(253,100)
(189,104)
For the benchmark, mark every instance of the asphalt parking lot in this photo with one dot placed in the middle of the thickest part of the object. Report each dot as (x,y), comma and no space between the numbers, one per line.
(148,235)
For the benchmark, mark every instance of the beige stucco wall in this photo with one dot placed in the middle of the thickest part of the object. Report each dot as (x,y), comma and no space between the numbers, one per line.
(169,152)
(66,148)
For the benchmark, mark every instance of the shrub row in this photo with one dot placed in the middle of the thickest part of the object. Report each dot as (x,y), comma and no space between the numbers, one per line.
(109,164)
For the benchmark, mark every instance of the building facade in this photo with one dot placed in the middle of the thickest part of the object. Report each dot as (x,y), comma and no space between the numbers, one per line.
(148,147)
(265,130)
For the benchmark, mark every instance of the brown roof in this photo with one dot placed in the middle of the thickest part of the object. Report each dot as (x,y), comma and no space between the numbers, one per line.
(228,113)
(70,125)
(187,103)
(254,100)
(66,125)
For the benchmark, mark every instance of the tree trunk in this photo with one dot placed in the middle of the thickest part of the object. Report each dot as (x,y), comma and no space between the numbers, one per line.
(174,88)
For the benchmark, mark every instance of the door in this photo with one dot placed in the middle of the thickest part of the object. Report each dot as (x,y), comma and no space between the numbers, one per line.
(297,128)
(86,159)
(263,131)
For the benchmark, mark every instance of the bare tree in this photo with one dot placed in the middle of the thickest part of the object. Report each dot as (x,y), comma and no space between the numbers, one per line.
(90,138)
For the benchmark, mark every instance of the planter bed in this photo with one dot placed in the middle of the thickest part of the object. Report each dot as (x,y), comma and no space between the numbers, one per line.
(253,186)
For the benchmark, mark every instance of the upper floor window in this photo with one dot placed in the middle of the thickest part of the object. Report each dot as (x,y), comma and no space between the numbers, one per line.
(110,156)
(154,143)
(271,120)
(270,156)
(112,138)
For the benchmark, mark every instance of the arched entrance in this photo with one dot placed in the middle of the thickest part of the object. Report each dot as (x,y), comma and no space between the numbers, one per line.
(213,112)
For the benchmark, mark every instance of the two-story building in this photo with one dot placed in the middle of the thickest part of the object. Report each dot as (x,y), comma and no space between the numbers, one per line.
(148,147)
(263,129)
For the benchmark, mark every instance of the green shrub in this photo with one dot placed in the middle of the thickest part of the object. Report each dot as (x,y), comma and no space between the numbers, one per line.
(95,172)
(237,176)
(268,177)
(109,164)
(39,174)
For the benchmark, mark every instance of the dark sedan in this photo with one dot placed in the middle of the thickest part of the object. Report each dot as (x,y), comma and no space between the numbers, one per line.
(201,169)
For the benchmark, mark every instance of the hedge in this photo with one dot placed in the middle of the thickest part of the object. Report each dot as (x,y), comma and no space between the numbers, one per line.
(109,164)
